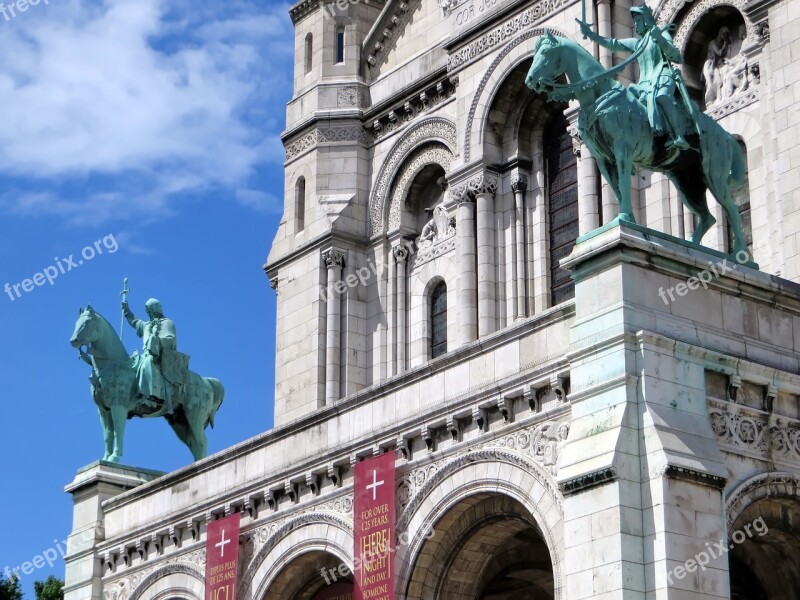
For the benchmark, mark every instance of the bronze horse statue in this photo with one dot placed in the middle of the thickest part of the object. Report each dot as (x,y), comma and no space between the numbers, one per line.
(114,390)
(613,124)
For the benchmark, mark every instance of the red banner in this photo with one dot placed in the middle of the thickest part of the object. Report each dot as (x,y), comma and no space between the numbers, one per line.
(222,556)
(336,591)
(374,528)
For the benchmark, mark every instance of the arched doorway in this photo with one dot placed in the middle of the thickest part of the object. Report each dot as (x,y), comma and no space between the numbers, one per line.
(764,546)
(315,575)
(485,547)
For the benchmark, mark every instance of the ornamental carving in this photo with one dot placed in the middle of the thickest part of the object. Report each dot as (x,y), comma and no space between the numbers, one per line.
(433,129)
(333,258)
(484,182)
(736,103)
(439,248)
(347,96)
(476,97)
(133,586)
(428,155)
(322,136)
(537,13)
(751,431)
(773,484)
(519,182)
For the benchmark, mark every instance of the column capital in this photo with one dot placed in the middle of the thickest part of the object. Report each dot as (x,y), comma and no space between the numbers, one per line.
(519,181)
(482,182)
(401,253)
(333,257)
(575,133)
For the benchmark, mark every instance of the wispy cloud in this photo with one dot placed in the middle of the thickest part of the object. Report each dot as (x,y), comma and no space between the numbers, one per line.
(175,97)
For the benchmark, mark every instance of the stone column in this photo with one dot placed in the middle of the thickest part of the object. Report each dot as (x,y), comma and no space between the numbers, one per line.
(400,256)
(93,485)
(604,28)
(334,261)
(519,184)
(467,271)
(588,174)
(484,187)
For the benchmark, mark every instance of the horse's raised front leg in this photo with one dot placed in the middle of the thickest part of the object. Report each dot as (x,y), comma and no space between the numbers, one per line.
(108,431)
(119,415)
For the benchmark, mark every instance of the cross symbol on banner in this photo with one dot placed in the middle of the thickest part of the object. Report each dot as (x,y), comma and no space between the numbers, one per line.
(222,543)
(375,484)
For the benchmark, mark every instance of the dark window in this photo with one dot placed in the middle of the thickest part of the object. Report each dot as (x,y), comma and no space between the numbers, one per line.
(309,52)
(340,44)
(439,320)
(300,205)
(741,196)
(562,188)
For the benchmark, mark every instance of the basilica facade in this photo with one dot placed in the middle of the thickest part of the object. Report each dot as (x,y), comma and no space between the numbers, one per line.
(577,407)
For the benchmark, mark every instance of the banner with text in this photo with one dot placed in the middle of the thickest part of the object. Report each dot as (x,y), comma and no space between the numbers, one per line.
(374,528)
(222,557)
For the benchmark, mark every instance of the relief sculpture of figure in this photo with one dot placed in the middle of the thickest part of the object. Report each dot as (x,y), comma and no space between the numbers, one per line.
(716,59)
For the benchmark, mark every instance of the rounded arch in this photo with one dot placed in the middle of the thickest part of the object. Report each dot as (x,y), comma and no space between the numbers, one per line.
(702,10)
(504,63)
(429,154)
(309,533)
(764,485)
(513,476)
(422,282)
(176,579)
(433,129)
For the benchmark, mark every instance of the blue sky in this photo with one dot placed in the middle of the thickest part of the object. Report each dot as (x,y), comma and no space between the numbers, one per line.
(156,123)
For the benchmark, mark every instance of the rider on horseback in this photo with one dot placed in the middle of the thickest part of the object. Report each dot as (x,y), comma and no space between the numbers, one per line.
(158,374)
(657,79)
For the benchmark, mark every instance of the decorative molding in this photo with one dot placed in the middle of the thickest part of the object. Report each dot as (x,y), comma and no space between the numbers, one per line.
(426,155)
(333,258)
(698,10)
(411,108)
(744,430)
(317,136)
(303,9)
(483,182)
(134,585)
(487,75)
(764,485)
(733,104)
(429,130)
(588,481)
(378,41)
(538,12)
(693,476)
(439,248)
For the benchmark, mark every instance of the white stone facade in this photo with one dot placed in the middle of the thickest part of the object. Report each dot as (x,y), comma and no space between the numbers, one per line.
(577,438)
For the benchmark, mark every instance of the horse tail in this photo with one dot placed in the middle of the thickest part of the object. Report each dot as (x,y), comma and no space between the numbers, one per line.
(738,165)
(219,396)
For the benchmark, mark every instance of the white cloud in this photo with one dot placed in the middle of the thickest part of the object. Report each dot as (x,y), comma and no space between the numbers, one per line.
(177,96)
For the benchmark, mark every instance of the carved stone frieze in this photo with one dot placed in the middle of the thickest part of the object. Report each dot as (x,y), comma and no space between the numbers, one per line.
(433,129)
(347,96)
(134,584)
(439,248)
(483,182)
(325,135)
(734,104)
(536,13)
(750,431)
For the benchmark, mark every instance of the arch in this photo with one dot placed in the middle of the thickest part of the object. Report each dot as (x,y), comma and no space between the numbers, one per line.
(505,62)
(176,578)
(514,476)
(429,154)
(311,532)
(433,129)
(773,484)
(420,285)
(693,17)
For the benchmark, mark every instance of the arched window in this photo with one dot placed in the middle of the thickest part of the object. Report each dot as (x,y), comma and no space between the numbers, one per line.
(339,45)
(741,196)
(562,196)
(439,320)
(309,53)
(300,205)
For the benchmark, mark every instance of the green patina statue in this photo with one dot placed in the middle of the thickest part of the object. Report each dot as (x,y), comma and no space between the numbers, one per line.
(152,384)
(651,123)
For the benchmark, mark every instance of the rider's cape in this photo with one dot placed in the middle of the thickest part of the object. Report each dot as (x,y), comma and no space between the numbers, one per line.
(174,366)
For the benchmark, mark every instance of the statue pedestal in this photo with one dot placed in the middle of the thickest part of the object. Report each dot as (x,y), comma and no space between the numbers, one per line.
(93,485)
(643,473)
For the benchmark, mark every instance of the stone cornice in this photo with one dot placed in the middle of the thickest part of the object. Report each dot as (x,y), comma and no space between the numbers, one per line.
(379,38)
(587,481)
(302,9)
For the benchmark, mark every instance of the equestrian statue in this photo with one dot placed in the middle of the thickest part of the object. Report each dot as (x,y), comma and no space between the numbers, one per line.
(155,383)
(652,124)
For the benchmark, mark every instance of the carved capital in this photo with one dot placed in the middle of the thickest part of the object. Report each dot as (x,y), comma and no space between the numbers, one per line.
(400,253)
(333,258)
(484,182)
(575,134)
(519,182)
